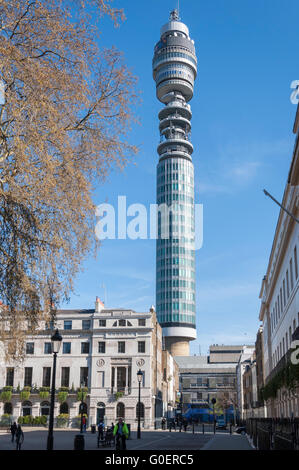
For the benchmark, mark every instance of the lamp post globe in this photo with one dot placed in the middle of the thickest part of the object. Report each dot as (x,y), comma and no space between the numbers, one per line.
(56,342)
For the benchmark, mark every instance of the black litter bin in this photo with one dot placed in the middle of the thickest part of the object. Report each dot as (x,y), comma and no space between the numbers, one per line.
(93,429)
(79,442)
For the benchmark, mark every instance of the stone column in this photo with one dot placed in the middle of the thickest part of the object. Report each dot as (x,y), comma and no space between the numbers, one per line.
(17,409)
(35,409)
(127,379)
(110,414)
(74,410)
(92,412)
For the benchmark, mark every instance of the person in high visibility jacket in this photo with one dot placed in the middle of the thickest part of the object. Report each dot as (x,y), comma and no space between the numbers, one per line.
(121,432)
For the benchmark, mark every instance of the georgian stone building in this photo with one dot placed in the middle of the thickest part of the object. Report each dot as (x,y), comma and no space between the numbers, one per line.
(170,384)
(102,349)
(253,381)
(279,312)
(245,360)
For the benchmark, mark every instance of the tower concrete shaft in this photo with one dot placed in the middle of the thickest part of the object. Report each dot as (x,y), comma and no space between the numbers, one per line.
(174,71)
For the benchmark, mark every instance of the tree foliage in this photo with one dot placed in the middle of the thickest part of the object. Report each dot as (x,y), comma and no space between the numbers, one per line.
(63,126)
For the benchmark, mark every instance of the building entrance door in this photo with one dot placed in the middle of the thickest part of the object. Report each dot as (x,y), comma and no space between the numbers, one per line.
(100,412)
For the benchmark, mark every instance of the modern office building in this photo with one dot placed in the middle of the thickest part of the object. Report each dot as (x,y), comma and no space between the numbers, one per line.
(174,71)
(203,378)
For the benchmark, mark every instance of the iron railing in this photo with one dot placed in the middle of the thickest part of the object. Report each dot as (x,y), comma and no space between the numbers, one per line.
(273,433)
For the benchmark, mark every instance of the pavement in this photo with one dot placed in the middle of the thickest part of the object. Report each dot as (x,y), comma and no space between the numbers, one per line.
(36,439)
(228,442)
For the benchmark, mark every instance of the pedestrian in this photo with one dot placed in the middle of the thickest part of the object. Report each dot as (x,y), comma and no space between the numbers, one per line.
(121,433)
(112,436)
(101,430)
(13,429)
(84,423)
(185,424)
(19,437)
(163,423)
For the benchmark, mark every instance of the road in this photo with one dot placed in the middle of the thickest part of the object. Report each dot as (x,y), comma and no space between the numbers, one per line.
(36,439)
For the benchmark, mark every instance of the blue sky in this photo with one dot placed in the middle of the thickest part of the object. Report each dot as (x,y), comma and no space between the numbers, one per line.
(242,135)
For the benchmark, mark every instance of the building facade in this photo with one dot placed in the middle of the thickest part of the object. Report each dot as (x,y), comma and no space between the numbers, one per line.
(170,384)
(102,350)
(174,71)
(203,378)
(279,296)
(259,355)
(245,360)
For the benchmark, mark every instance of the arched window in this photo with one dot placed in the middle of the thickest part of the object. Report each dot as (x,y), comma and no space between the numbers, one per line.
(27,408)
(64,408)
(83,409)
(7,408)
(45,408)
(120,410)
(141,410)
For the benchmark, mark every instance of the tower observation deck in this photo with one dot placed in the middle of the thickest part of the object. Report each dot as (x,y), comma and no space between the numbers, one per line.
(174,71)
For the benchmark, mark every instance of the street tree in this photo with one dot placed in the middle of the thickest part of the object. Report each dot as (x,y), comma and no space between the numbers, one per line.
(66,110)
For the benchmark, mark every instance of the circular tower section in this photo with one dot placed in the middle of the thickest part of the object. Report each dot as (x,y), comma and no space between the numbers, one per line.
(174,71)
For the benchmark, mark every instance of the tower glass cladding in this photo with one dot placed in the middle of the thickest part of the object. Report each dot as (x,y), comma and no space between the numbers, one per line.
(174,71)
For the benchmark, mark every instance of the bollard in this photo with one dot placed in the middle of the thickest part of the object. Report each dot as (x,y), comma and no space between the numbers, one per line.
(79,443)
(193,428)
(203,428)
(129,429)
(230,428)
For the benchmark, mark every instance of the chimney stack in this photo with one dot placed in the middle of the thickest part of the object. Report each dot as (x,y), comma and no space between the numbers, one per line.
(99,305)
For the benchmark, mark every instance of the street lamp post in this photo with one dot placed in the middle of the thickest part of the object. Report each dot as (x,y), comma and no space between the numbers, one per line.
(79,441)
(280,205)
(139,378)
(181,400)
(56,342)
(81,409)
(213,402)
